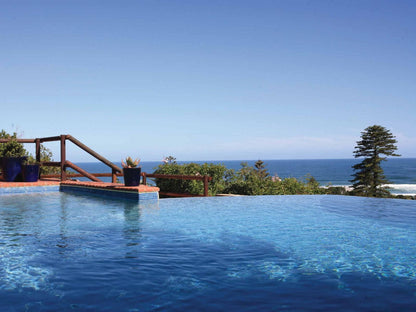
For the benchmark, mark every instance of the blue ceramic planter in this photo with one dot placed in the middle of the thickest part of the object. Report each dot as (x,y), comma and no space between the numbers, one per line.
(132,176)
(30,173)
(12,168)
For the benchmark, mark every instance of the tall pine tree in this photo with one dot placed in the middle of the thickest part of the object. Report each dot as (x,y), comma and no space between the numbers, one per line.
(369,176)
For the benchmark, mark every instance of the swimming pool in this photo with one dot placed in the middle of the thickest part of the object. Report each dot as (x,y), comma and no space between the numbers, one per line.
(64,252)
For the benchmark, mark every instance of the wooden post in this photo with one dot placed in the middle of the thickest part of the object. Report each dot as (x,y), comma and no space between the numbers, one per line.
(206,185)
(113,175)
(144,178)
(37,141)
(63,158)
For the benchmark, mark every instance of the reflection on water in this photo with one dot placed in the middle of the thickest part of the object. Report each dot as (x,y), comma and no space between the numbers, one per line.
(63,227)
(131,228)
(22,220)
(35,229)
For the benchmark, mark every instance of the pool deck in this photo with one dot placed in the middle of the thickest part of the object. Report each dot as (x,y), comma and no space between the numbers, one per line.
(41,186)
(118,190)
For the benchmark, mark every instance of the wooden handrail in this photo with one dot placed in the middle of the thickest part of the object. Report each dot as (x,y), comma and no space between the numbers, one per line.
(50,139)
(91,152)
(51,163)
(115,170)
(79,175)
(81,171)
(18,140)
(204,178)
(47,139)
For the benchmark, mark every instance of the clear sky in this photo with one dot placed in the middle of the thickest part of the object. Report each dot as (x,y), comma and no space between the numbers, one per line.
(209,80)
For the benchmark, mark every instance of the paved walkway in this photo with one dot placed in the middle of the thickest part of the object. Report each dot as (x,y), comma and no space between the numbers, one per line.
(25,184)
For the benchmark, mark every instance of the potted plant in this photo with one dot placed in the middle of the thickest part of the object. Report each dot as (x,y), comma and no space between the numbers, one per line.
(30,170)
(131,172)
(12,156)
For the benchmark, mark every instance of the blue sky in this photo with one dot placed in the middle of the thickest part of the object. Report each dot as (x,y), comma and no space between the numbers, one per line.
(209,80)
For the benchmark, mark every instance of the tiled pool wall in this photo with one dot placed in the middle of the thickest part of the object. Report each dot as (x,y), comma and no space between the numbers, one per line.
(122,194)
(109,193)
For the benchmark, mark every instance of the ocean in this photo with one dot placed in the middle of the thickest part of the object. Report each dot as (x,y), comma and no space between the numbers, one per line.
(401,172)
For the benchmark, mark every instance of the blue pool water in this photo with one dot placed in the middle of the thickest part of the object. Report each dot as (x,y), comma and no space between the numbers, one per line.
(62,252)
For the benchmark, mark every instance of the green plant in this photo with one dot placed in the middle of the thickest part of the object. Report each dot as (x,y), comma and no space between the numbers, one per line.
(369,176)
(169,160)
(46,156)
(171,167)
(30,161)
(12,148)
(130,163)
(261,169)
(336,190)
(246,181)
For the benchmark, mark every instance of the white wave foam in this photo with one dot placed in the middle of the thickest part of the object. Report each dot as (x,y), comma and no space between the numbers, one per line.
(397,189)
(402,189)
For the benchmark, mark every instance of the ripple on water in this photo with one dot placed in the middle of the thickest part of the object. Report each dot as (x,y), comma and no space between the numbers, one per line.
(99,253)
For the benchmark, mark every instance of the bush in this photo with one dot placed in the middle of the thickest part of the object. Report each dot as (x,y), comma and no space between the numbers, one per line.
(246,181)
(11,148)
(249,181)
(216,172)
(336,190)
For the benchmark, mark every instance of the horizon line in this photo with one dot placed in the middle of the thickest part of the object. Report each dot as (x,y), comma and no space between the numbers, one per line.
(249,160)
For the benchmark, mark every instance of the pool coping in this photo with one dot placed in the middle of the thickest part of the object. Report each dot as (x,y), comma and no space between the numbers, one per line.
(115,190)
(41,186)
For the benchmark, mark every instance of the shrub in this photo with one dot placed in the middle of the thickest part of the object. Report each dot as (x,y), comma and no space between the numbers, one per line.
(216,172)
(245,181)
(11,148)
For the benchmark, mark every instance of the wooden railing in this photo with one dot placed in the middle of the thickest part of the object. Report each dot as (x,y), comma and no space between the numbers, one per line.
(203,178)
(64,163)
(115,170)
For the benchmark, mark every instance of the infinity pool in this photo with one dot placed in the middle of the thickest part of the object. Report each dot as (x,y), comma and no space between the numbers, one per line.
(62,252)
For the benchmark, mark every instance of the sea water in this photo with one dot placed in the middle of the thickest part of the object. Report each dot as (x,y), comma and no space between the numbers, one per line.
(62,252)
(401,172)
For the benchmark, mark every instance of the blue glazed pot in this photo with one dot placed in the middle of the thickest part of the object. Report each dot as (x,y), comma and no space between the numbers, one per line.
(12,168)
(132,176)
(30,173)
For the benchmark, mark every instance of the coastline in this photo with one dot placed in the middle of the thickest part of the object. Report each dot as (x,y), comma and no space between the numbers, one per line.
(401,172)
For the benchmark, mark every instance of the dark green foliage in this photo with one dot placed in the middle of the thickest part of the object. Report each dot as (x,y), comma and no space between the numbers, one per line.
(261,169)
(312,182)
(257,181)
(46,156)
(246,181)
(11,148)
(217,172)
(292,186)
(249,181)
(369,176)
(169,160)
(411,197)
(336,190)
